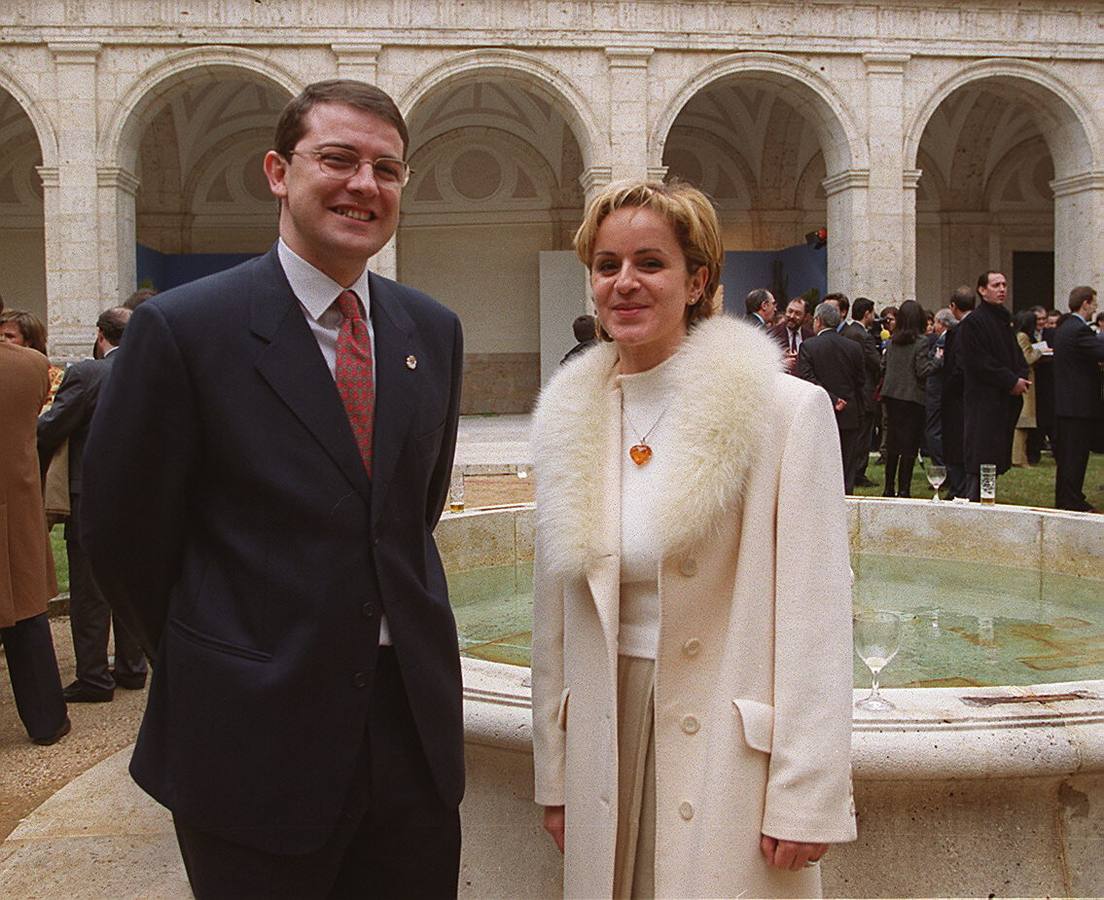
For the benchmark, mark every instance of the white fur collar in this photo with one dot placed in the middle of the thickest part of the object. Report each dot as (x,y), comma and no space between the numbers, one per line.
(723,376)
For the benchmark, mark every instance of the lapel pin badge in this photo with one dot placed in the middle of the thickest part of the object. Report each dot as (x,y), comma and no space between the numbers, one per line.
(412,362)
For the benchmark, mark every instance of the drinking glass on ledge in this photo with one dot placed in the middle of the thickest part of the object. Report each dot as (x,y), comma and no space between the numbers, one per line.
(877,638)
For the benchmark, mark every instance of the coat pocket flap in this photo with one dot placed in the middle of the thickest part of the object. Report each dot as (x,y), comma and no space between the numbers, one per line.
(561,713)
(758,722)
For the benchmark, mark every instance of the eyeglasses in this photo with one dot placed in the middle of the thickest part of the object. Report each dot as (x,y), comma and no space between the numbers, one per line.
(387,171)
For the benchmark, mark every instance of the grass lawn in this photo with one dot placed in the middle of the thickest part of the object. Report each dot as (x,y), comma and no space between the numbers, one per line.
(61,561)
(1022,487)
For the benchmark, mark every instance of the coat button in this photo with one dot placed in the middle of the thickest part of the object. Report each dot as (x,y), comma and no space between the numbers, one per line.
(368,610)
(689,567)
(691,647)
(686,810)
(690,725)
(360,679)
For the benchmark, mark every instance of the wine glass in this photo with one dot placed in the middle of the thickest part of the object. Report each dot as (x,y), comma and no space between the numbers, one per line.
(877,637)
(936,476)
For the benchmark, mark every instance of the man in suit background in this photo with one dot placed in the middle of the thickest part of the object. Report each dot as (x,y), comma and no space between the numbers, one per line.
(836,364)
(90,618)
(262,508)
(760,307)
(951,405)
(1078,404)
(858,330)
(792,332)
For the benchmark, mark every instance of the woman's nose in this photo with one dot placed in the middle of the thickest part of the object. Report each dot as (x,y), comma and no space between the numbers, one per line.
(626,279)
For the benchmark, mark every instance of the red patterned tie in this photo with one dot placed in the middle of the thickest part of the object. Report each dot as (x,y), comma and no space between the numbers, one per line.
(353,373)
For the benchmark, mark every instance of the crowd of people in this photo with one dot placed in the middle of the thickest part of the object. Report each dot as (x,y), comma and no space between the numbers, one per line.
(964,386)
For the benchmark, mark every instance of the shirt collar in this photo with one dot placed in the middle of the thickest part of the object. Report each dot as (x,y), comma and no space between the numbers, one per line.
(313,287)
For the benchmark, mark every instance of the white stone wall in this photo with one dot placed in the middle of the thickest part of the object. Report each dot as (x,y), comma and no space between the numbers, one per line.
(865,77)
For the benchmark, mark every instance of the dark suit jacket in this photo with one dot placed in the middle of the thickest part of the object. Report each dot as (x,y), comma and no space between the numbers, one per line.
(836,364)
(872,361)
(71,413)
(781,334)
(1078,352)
(231,523)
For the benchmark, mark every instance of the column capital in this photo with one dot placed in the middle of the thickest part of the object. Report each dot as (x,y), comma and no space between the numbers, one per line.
(595,177)
(116,177)
(628,57)
(846,180)
(657,173)
(910,178)
(886,63)
(1075,184)
(75,52)
(49,175)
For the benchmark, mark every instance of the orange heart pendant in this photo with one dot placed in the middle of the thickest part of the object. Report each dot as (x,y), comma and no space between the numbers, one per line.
(640,453)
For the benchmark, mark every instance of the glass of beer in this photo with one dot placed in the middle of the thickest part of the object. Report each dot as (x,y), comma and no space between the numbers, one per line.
(988,483)
(456,489)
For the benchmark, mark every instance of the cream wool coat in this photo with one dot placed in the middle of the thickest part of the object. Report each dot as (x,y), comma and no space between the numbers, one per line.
(752,722)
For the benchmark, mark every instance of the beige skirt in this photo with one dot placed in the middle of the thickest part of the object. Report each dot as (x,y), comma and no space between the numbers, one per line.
(634,860)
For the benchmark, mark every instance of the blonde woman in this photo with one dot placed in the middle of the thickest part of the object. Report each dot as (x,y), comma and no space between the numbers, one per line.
(692,611)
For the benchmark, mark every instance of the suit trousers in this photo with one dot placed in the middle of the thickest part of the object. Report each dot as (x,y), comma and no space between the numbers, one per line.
(33,669)
(395,836)
(861,452)
(848,438)
(1073,442)
(91,621)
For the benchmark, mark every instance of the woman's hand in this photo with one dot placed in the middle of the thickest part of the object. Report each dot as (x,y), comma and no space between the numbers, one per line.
(554,824)
(792,855)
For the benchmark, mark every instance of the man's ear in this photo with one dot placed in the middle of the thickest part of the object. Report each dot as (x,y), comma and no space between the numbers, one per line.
(275,169)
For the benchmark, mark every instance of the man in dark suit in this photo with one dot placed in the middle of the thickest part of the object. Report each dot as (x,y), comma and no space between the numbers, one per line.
(858,330)
(951,411)
(836,364)
(760,307)
(792,332)
(267,466)
(1078,402)
(90,618)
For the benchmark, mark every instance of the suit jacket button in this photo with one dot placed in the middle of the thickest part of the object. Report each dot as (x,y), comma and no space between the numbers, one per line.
(368,610)
(360,680)
(690,725)
(686,810)
(691,647)
(689,567)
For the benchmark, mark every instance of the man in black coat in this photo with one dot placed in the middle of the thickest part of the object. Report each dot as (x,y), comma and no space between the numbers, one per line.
(90,619)
(263,476)
(1078,402)
(858,330)
(951,411)
(995,380)
(836,364)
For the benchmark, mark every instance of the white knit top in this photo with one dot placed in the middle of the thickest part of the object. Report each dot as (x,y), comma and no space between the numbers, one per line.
(644,410)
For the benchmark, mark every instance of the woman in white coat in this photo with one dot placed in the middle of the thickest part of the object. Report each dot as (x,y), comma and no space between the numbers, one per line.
(692,608)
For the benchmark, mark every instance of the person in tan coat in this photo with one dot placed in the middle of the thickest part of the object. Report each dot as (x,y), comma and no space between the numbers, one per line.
(692,606)
(27,579)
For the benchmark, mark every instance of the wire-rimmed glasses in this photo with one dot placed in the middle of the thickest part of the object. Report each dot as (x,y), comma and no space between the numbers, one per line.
(387,171)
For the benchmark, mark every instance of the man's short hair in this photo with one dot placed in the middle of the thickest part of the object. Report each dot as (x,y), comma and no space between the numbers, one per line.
(862,306)
(827,313)
(983,278)
(946,318)
(366,97)
(1079,296)
(755,300)
(139,297)
(841,299)
(112,323)
(964,298)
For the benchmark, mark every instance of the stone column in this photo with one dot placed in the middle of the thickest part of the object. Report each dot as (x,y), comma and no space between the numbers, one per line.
(1078,236)
(892,221)
(628,110)
(848,237)
(73,298)
(359,61)
(593,180)
(118,234)
(910,179)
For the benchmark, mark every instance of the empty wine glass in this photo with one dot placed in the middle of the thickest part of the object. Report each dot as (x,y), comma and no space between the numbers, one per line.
(877,637)
(936,476)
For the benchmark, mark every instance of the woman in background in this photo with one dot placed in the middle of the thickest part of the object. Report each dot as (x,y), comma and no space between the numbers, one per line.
(907,364)
(691,647)
(1025,325)
(25,329)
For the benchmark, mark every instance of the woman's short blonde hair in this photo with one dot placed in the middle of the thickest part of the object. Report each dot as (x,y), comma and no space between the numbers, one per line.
(692,218)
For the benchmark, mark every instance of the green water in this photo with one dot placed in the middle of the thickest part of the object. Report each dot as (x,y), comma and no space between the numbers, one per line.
(963,624)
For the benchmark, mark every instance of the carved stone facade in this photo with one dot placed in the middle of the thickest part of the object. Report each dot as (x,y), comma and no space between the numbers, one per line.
(933,139)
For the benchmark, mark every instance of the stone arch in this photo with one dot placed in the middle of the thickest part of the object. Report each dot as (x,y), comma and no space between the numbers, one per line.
(1073,134)
(43,126)
(546,81)
(841,139)
(119,143)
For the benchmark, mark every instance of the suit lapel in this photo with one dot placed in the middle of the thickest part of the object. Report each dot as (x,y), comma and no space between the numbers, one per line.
(397,385)
(603,571)
(294,368)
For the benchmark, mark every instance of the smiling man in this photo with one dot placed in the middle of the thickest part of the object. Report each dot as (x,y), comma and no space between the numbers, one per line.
(260,509)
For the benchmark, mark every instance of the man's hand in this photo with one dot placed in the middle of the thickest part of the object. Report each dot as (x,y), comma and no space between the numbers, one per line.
(792,855)
(841,405)
(554,824)
(1020,387)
